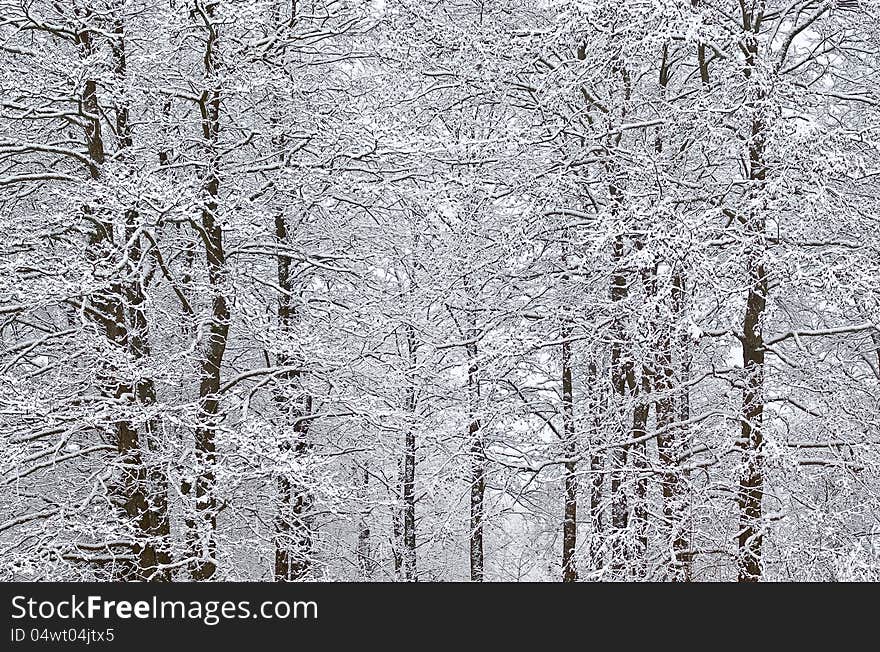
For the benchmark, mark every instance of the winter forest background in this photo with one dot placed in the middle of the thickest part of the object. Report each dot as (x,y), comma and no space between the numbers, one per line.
(440,290)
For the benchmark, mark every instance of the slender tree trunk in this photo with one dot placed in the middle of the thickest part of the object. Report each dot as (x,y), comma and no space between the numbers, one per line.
(293,534)
(702,60)
(478,463)
(597,472)
(638,456)
(875,336)
(621,372)
(622,367)
(293,537)
(409,508)
(667,453)
(397,524)
(570,450)
(665,381)
(668,448)
(408,472)
(638,453)
(364,548)
(751,482)
(751,443)
(680,404)
(641,412)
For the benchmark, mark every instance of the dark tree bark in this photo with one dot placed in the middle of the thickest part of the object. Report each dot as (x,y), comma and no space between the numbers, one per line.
(408,471)
(478,462)
(676,568)
(366,563)
(622,365)
(597,471)
(570,450)
(638,456)
(148,505)
(680,405)
(621,375)
(397,525)
(638,453)
(667,380)
(293,536)
(202,520)
(140,494)
(751,443)
(702,60)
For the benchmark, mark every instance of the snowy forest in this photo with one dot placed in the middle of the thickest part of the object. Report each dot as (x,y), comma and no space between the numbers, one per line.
(440,290)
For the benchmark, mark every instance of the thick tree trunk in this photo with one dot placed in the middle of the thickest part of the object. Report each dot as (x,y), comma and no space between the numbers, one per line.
(145,485)
(202,522)
(148,483)
(140,494)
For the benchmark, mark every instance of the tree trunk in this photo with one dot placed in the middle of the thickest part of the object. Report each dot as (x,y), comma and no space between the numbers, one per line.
(364,549)
(478,463)
(409,507)
(570,451)
(293,537)
(139,494)
(638,456)
(148,502)
(202,523)
(621,373)
(751,443)
(597,473)
(622,367)
(408,472)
